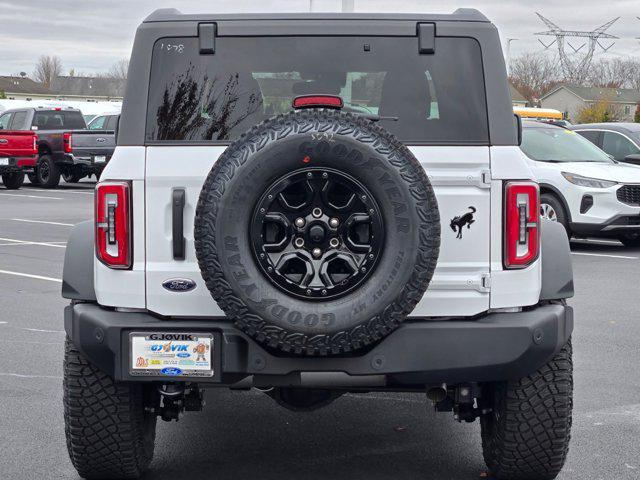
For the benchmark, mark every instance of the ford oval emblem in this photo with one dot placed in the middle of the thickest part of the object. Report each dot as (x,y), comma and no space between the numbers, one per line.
(179,285)
(172,371)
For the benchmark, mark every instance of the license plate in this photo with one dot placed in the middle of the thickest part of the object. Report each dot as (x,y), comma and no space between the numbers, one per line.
(4,161)
(172,354)
(99,159)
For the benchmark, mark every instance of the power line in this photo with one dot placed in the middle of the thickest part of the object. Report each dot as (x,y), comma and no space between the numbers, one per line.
(575,71)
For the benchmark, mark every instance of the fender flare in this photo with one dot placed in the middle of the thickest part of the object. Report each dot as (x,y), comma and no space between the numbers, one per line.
(557,272)
(77,275)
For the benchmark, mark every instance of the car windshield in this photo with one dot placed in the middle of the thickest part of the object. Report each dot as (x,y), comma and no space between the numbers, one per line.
(560,145)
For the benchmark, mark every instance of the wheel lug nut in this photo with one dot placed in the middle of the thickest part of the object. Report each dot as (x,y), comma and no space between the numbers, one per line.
(334,242)
(316,252)
(299,242)
(309,175)
(308,292)
(325,175)
(324,292)
(300,222)
(316,212)
(333,223)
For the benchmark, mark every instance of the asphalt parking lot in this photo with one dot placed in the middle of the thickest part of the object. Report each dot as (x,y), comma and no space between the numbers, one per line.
(246,435)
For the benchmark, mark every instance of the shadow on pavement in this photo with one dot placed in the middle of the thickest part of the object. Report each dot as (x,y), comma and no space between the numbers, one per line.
(245,435)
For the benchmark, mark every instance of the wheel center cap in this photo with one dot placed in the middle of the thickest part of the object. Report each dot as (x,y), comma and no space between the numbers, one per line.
(317,234)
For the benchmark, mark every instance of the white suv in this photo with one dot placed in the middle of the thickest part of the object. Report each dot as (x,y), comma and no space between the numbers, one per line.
(312,205)
(585,190)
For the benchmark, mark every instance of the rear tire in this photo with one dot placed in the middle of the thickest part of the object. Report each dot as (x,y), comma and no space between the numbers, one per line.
(72,177)
(13,181)
(109,434)
(47,172)
(33,178)
(526,436)
(552,209)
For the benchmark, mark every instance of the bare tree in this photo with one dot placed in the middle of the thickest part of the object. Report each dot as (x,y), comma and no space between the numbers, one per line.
(47,69)
(533,74)
(119,69)
(614,73)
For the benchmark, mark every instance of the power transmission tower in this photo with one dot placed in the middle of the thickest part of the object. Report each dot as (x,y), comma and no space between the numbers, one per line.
(575,71)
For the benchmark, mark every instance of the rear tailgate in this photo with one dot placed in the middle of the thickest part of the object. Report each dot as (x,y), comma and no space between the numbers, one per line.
(93,143)
(17,143)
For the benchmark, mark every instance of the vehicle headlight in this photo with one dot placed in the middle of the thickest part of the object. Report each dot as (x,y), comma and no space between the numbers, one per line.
(588,182)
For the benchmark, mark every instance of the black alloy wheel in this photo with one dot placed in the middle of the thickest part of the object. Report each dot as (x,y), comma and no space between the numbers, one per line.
(317,233)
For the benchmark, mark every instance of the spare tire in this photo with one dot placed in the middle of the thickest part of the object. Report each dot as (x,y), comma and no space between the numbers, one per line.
(317,232)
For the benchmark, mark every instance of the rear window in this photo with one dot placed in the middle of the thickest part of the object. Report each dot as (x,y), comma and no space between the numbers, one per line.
(58,120)
(437,99)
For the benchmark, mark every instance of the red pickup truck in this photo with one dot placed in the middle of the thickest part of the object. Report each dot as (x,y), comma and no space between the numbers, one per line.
(18,155)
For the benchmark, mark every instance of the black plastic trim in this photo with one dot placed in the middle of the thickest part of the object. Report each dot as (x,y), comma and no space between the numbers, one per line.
(557,271)
(177,223)
(207,38)
(494,347)
(426,38)
(77,275)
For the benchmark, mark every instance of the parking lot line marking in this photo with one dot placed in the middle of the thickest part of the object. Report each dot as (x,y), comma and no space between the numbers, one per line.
(20,375)
(28,275)
(42,221)
(30,196)
(28,242)
(40,330)
(604,255)
(60,191)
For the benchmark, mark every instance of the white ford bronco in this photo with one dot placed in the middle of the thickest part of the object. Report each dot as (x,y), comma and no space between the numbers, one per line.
(314,205)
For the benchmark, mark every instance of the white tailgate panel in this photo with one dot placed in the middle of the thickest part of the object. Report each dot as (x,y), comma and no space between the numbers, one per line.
(169,168)
(456,174)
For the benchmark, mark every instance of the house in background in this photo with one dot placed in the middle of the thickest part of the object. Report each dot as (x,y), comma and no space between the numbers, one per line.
(571,100)
(517,99)
(88,88)
(82,89)
(23,88)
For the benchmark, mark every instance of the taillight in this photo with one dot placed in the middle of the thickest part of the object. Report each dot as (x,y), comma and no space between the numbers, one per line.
(113,224)
(318,101)
(35,145)
(522,224)
(66,142)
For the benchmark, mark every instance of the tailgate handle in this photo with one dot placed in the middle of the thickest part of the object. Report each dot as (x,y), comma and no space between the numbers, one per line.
(177,219)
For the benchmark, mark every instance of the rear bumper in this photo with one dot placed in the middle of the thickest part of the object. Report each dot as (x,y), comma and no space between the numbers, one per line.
(497,346)
(17,164)
(85,162)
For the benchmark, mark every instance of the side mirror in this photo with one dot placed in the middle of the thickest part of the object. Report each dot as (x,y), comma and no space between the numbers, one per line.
(633,158)
(519,128)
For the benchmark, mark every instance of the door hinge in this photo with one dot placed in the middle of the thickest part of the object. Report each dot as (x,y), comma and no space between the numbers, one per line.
(486,177)
(485,282)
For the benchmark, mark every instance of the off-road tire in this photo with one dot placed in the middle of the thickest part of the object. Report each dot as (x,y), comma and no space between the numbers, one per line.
(13,181)
(109,434)
(526,437)
(233,188)
(47,172)
(551,199)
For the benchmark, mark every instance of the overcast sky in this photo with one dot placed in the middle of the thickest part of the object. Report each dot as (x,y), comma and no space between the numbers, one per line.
(91,35)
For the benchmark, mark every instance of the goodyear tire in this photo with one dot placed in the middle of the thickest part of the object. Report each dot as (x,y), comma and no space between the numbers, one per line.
(345,305)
